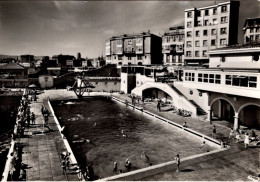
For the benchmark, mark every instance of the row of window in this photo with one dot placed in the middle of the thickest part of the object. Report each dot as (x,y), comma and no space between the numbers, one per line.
(129,57)
(253,30)
(196,54)
(97,83)
(128,41)
(207,12)
(254,38)
(234,80)
(173,58)
(205,43)
(205,32)
(176,38)
(207,22)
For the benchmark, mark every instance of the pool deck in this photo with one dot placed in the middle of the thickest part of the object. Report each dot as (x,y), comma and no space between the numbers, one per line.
(41,151)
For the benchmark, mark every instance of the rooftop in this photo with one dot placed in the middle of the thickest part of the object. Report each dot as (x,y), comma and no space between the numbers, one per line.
(240,46)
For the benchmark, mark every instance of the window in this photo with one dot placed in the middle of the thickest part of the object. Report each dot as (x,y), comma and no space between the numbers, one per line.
(189,76)
(173,59)
(215,21)
(206,12)
(189,34)
(223,19)
(96,83)
(119,42)
(199,77)
(213,42)
(223,9)
(199,13)
(115,83)
(188,44)
(205,78)
(215,11)
(129,58)
(188,53)
(181,38)
(189,24)
(257,29)
(204,53)
(217,79)
(198,23)
(119,57)
(206,22)
(228,79)
(211,78)
(213,31)
(251,30)
(197,53)
(139,57)
(223,42)
(252,81)
(257,38)
(223,31)
(197,43)
(205,32)
(251,37)
(189,14)
(197,33)
(205,42)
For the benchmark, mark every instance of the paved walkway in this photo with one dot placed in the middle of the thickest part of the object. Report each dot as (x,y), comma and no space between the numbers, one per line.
(40,151)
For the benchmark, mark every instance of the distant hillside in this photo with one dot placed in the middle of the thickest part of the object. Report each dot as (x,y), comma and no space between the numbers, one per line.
(8,56)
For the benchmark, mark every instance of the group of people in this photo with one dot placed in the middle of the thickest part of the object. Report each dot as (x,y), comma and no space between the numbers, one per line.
(65,162)
(128,166)
(248,137)
(24,117)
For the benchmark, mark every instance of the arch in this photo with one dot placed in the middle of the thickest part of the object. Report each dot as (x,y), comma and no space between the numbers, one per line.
(120,63)
(221,98)
(249,115)
(222,109)
(247,104)
(156,93)
(139,63)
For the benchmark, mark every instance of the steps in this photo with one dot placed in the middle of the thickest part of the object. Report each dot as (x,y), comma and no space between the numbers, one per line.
(200,111)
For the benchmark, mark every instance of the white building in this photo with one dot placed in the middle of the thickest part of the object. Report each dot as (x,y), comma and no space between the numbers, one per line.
(232,83)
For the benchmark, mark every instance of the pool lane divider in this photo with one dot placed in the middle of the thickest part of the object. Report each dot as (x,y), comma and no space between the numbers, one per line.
(178,126)
(66,143)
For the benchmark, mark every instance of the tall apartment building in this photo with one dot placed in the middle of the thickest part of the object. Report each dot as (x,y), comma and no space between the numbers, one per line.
(209,28)
(252,30)
(138,49)
(173,46)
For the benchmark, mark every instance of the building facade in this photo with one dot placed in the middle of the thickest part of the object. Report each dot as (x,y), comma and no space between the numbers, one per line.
(173,46)
(137,49)
(252,30)
(209,28)
(232,84)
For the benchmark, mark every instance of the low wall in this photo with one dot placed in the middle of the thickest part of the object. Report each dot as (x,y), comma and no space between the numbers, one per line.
(66,143)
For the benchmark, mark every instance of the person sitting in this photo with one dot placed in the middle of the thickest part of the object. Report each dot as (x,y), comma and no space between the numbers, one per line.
(253,135)
(184,125)
(128,164)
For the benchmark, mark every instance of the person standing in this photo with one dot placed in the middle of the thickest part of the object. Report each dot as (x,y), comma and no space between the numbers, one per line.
(33,118)
(178,162)
(63,166)
(214,131)
(246,141)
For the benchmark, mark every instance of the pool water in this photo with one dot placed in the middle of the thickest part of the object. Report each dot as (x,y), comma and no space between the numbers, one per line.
(102,120)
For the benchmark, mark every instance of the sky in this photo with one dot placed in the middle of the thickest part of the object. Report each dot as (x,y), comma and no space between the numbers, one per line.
(68,27)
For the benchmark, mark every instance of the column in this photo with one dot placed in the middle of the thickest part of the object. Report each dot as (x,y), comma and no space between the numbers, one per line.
(236,121)
(209,117)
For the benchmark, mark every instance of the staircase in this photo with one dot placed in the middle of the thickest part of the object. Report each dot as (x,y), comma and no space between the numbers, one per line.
(200,111)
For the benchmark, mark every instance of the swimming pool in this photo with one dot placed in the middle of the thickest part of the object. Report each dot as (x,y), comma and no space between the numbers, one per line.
(102,120)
